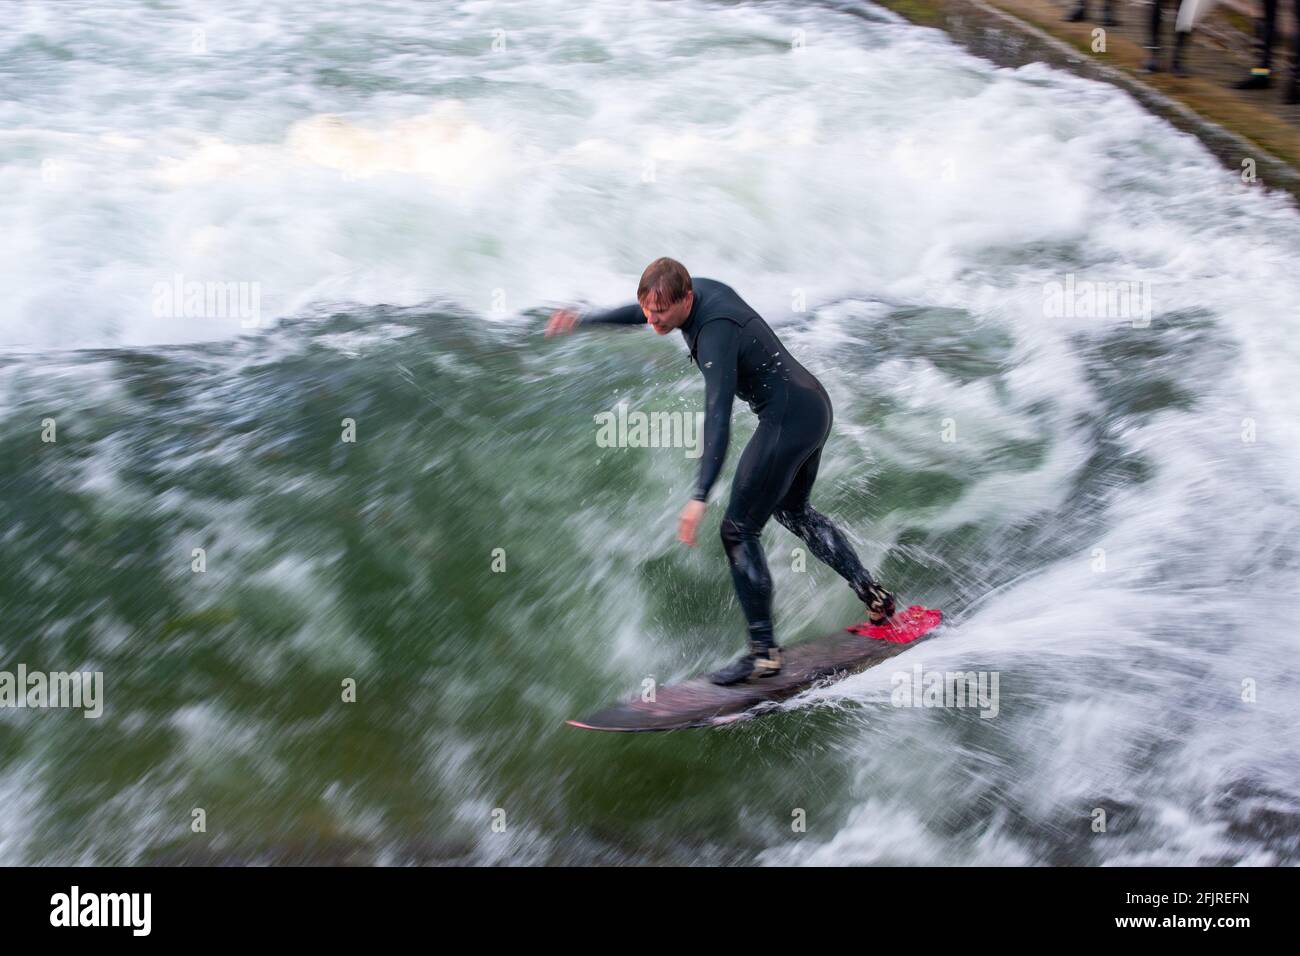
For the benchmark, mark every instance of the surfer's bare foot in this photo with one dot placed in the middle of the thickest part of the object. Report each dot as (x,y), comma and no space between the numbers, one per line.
(760,662)
(879,602)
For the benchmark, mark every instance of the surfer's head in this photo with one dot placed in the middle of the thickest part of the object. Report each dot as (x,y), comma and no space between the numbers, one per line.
(665,295)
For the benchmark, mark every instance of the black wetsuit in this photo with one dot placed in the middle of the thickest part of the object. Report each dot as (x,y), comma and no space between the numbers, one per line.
(740,355)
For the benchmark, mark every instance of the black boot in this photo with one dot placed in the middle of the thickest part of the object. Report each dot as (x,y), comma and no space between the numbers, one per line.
(1078,14)
(1108,18)
(1259,79)
(763,660)
(1152,62)
(1180,44)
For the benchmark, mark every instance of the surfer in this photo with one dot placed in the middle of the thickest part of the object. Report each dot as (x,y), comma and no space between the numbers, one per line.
(740,355)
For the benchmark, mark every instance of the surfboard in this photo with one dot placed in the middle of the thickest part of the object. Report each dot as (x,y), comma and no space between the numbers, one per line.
(698,703)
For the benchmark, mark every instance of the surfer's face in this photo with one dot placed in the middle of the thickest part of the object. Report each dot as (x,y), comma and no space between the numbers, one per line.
(663,319)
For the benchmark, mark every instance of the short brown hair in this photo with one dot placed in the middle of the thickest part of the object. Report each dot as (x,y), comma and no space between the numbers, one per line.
(666,279)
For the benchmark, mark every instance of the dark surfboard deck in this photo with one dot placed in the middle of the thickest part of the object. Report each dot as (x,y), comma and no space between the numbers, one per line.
(697,703)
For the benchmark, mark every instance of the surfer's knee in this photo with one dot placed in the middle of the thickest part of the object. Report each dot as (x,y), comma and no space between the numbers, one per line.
(734,533)
(791,519)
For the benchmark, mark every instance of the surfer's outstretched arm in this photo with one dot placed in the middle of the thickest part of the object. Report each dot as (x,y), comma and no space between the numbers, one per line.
(563,321)
(623,315)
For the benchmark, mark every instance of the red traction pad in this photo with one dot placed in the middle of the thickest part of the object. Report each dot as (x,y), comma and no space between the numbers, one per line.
(903,628)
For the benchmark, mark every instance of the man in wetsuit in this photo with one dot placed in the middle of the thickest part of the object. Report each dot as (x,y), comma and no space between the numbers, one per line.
(740,355)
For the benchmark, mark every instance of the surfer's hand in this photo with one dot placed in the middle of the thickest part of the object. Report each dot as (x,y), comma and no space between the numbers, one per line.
(561,322)
(689,521)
